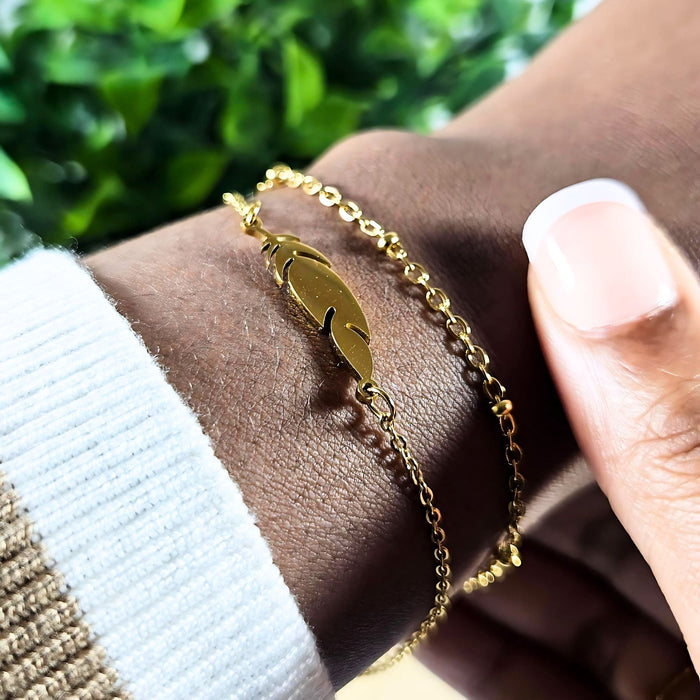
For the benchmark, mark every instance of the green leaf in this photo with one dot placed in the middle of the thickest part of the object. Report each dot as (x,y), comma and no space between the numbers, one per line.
(104,131)
(198,14)
(303,81)
(60,14)
(11,109)
(286,16)
(191,175)
(159,15)
(335,117)
(477,77)
(77,221)
(135,98)
(510,13)
(15,238)
(5,63)
(445,15)
(387,41)
(13,183)
(246,122)
(67,61)
(72,58)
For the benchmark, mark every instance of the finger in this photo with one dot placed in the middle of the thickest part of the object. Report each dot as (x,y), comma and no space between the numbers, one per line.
(487,661)
(618,314)
(584,528)
(568,609)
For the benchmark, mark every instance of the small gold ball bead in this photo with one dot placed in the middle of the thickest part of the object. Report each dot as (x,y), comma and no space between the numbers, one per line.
(387,239)
(502,408)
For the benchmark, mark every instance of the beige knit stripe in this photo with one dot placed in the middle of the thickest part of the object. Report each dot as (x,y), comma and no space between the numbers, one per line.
(62,647)
(8,505)
(13,536)
(23,567)
(72,676)
(99,686)
(47,650)
(25,638)
(29,600)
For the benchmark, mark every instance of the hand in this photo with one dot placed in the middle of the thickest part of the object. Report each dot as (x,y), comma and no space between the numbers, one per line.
(618,313)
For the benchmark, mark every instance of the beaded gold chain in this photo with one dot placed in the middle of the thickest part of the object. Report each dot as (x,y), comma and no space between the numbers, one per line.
(327,299)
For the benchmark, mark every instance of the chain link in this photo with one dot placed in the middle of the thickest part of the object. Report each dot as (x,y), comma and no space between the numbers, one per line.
(382,406)
(506,554)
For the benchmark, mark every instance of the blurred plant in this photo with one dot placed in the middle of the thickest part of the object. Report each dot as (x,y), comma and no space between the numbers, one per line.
(116,116)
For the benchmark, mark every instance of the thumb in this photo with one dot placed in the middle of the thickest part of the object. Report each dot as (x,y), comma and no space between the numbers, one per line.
(617,311)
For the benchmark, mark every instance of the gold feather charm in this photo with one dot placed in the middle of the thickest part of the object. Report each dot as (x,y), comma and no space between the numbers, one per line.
(315,287)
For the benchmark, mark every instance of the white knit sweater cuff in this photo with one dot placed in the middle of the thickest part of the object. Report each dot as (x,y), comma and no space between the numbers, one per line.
(148,530)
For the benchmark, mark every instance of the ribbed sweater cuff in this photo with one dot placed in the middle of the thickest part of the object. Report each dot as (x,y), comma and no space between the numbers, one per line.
(131,506)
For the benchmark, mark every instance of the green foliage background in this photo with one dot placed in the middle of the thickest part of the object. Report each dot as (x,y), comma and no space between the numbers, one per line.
(118,115)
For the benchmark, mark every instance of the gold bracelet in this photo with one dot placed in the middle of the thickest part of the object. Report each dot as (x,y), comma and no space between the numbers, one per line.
(326,298)
(506,554)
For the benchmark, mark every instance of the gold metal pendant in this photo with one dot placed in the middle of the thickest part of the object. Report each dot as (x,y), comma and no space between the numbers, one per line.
(317,289)
(323,295)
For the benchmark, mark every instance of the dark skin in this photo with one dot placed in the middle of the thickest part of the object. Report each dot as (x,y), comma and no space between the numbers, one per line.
(607,99)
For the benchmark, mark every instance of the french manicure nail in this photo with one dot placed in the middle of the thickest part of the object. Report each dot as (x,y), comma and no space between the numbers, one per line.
(596,255)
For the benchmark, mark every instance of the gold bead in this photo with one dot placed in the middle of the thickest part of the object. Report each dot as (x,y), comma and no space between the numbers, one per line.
(387,239)
(515,559)
(502,408)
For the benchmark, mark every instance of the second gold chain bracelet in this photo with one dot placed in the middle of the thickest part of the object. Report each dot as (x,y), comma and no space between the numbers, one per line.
(326,298)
